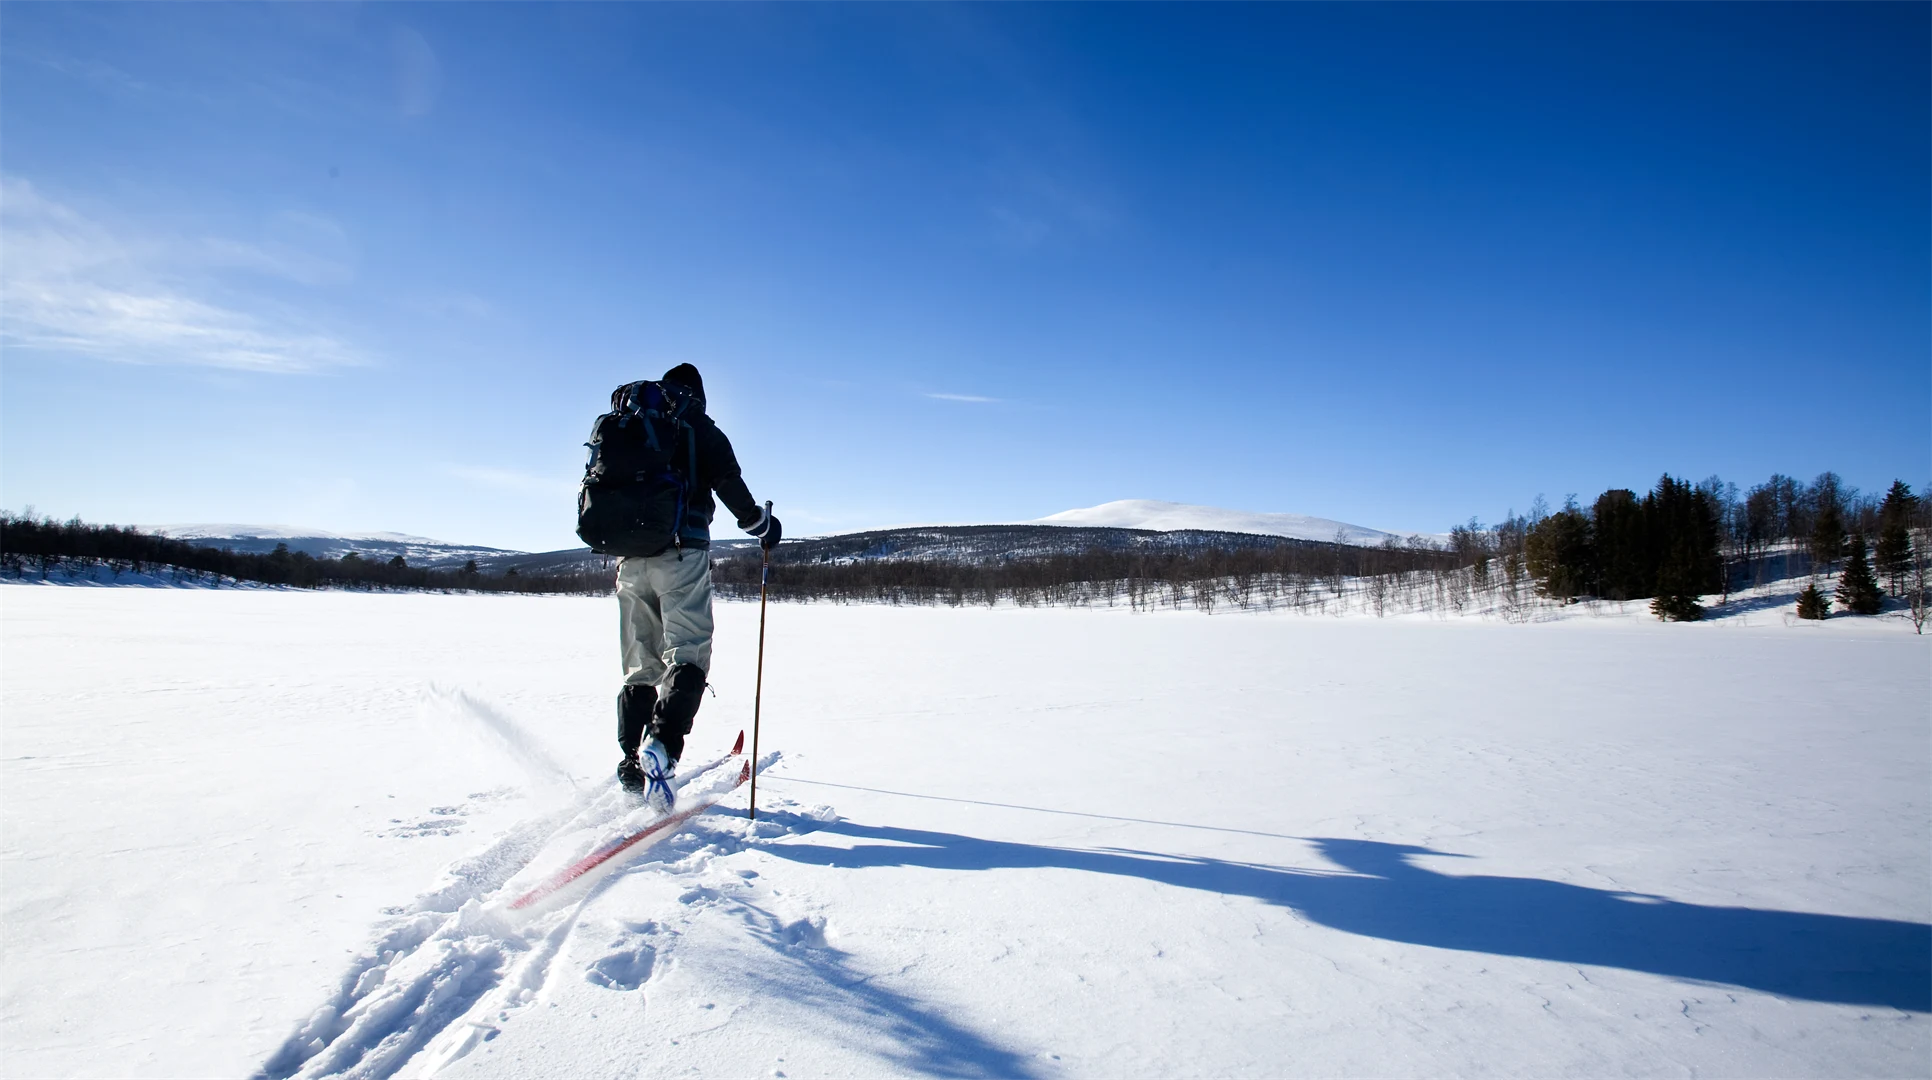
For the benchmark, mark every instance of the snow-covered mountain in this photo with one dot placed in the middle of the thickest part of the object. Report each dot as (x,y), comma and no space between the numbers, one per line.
(279,533)
(1171,517)
(322,544)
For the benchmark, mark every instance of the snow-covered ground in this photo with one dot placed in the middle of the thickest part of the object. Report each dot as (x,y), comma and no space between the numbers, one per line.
(1170,517)
(266,830)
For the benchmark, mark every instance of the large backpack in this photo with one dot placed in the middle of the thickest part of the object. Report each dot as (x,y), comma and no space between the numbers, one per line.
(643,458)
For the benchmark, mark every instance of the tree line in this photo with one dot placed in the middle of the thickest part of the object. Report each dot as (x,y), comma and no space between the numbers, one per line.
(1255,574)
(1675,546)
(46,546)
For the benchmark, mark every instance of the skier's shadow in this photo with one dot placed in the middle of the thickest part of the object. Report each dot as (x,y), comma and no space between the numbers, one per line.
(1831,958)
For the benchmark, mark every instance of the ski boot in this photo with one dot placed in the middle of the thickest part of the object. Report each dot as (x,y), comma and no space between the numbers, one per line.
(630,776)
(658,767)
(634,706)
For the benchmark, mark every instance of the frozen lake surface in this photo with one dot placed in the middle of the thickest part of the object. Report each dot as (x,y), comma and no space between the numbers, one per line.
(257,831)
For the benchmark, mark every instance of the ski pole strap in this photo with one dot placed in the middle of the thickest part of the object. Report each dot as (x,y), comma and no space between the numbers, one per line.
(764,557)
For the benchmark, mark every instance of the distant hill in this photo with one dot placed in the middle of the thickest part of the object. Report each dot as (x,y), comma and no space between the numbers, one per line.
(993,543)
(1151,514)
(261,539)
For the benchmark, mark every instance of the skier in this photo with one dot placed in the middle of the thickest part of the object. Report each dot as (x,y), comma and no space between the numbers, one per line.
(664,608)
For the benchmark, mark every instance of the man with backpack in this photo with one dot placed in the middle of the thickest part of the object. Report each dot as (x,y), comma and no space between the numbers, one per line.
(655,460)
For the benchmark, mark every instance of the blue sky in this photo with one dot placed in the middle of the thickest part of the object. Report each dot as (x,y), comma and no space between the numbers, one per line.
(376,267)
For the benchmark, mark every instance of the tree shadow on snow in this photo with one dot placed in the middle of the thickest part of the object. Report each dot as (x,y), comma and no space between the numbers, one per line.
(1829,958)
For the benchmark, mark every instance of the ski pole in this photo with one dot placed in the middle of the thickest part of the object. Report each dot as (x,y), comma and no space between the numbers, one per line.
(758,692)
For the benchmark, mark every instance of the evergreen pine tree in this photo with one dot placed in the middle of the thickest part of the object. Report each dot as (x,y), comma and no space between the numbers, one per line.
(1561,555)
(1827,527)
(1812,603)
(1624,569)
(1893,553)
(1858,589)
(1682,527)
(1676,607)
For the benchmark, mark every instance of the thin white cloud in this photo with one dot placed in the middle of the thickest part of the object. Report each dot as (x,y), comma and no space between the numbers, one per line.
(69,284)
(419,77)
(308,249)
(974,399)
(95,71)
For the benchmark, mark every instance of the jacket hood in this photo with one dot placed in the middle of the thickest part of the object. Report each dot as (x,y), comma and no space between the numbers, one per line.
(686,375)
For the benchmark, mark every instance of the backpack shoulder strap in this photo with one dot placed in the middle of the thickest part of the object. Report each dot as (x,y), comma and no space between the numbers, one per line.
(678,401)
(691,444)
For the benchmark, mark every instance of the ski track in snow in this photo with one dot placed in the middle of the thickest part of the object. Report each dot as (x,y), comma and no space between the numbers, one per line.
(522,747)
(457,955)
(729,948)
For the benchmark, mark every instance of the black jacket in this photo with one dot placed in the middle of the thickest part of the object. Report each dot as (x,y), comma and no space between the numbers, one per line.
(717,470)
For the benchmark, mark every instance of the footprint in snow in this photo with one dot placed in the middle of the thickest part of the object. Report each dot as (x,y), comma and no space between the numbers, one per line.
(443,820)
(625,969)
(699,896)
(437,826)
(493,794)
(808,932)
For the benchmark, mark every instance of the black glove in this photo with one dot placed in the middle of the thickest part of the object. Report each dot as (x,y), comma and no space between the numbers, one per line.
(766,528)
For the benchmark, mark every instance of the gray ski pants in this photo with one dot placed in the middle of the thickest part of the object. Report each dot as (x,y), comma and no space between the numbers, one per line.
(664,614)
